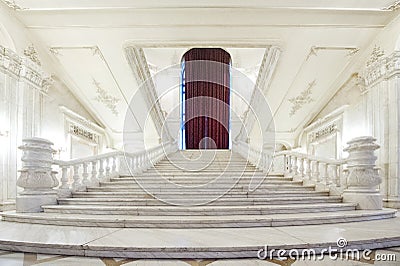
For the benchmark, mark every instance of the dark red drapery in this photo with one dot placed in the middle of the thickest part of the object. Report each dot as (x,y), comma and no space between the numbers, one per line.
(207,88)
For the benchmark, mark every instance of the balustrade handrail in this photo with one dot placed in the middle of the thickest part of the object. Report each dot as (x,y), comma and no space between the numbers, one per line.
(311,157)
(105,155)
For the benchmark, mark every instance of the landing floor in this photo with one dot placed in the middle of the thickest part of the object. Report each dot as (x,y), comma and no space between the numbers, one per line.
(192,243)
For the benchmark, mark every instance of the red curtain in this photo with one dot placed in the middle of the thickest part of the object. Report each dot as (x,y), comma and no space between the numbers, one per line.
(207,89)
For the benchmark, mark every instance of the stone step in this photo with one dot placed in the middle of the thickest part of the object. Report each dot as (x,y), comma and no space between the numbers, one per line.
(203,174)
(191,179)
(263,189)
(198,210)
(129,221)
(129,194)
(172,183)
(220,201)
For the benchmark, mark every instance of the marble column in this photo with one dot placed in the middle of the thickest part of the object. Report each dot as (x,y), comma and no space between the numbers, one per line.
(382,90)
(36,176)
(363,179)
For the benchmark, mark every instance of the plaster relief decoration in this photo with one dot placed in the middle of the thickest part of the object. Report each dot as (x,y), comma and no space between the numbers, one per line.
(32,54)
(323,132)
(105,98)
(315,49)
(303,99)
(24,69)
(79,131)
(95,83)
(393,7)
(377,53)
(11,4)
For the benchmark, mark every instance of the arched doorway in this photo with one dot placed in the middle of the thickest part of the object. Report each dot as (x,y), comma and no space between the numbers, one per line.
(206,98)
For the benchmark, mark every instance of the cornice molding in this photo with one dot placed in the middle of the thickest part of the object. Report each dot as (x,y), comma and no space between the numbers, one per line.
(140,69)
(383,68)
(14,6)
(24,69)
(392,7)
(267,69)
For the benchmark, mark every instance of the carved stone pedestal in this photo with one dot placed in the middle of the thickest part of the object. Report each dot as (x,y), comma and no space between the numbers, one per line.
(36,178)
(363,176)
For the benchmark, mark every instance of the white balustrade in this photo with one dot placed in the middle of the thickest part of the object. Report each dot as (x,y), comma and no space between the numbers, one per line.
(78,174)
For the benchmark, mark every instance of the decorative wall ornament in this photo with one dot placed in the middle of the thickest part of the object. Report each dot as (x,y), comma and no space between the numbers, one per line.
(393,7)
(11,4)
(32,54)
(376,54)
(323,132)
(315,49)
(105,98)
(23,69)
(47,83)
(360,83)
(303,99)
(79,131)
(385,68)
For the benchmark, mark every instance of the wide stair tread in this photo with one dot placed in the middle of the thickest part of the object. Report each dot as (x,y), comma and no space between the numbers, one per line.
(231,221)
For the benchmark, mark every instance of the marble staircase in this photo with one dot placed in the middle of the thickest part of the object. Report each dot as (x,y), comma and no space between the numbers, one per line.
(193,189)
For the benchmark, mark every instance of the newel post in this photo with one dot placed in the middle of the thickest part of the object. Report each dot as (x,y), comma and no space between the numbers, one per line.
(363,178)
(36,177)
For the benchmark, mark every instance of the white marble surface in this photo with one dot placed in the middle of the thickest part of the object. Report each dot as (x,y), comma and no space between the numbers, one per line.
(182,243)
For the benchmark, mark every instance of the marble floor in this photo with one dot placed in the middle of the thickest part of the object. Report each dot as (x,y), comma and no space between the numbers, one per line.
(28,259)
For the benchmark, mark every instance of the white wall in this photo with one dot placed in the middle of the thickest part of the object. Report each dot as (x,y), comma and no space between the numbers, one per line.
(25,110)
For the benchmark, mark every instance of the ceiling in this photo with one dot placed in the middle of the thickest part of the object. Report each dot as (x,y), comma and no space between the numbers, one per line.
(318,40)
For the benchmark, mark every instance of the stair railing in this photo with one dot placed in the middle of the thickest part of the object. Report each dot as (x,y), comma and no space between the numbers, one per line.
(312,170)
(322,172)
(263,160)
(78,174)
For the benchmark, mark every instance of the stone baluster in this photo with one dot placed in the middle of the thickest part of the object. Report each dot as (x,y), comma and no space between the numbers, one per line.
(76,184)
(335,178)
(289,165)
(101,176)
(301,168)
(313,176)
(36,176)
(324,174)
(64,190)
(94,181)
(85,175)
(114,167)
(295,168)
(285,164)
(316,174)
(108,168)
(307,176)
(363,178)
